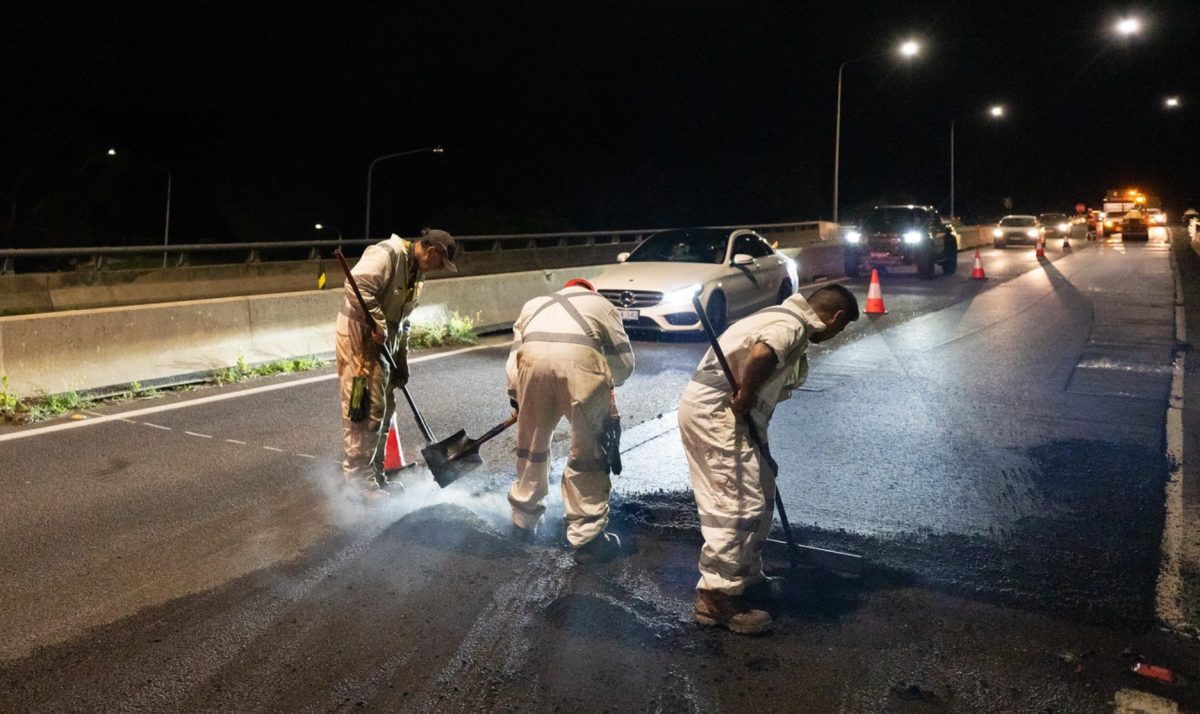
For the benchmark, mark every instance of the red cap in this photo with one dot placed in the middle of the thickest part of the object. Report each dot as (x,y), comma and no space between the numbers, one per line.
(579,282)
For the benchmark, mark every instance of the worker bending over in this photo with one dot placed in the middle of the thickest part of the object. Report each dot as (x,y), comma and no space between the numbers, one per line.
(569,351)
(733,485)
(389,275)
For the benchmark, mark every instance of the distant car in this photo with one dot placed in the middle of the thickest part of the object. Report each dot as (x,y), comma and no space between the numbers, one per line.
(1156,216)
(1055,225)
(735,272)
(1135,226)
(901,235)
(1016,229)
(1111,225)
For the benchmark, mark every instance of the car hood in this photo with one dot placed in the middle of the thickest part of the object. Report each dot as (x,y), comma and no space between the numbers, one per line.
(662,277)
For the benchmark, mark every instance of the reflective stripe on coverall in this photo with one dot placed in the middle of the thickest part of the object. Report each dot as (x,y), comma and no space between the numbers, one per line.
(391,285)
(734,493)
(569,350)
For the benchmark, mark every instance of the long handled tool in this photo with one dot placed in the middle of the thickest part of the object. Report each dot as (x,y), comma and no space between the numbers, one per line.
(453,456)
(847,563)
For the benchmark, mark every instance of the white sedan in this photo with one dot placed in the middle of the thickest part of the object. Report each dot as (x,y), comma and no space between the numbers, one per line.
(735,273)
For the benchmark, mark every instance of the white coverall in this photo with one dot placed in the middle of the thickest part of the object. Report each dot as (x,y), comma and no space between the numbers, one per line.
(569,351)
(734,488)
(390,283)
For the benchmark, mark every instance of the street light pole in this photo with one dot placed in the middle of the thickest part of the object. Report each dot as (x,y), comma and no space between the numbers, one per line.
(997,111)
(167,219)
(371,170)
(908,50)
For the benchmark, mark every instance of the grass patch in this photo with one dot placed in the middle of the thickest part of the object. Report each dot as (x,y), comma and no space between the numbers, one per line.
(241,371)
(459,329)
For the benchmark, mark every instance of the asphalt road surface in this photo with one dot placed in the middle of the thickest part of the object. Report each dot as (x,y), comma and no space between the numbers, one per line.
(994,448)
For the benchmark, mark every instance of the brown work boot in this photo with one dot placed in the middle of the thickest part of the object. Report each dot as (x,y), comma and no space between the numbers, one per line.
(600,549)
(715,608)
(373,496)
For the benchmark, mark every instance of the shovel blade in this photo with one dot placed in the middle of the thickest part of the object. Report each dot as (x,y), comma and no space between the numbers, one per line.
(850,565)
(451,458)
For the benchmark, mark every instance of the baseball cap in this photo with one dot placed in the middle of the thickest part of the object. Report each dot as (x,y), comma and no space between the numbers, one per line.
(445,243)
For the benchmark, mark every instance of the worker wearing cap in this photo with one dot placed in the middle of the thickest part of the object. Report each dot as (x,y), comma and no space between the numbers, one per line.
(569,351)
(733,484)
(389,275)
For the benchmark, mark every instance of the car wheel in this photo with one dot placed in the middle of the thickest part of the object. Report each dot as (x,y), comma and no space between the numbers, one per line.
(785,292)
(718,315)
(926,264)
(950,256)
(850,263)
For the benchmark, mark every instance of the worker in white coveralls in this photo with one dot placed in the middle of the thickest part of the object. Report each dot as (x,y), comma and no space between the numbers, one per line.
(733,485)
(569,351)
(389,275)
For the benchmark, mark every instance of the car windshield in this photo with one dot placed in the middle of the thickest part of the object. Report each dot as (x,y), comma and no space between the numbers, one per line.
(1053,217)
(888,220)
(1019,221)
(691,246)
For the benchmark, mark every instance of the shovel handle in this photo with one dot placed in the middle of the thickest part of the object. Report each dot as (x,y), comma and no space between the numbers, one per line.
(487,436)
(383,352)
(425,432)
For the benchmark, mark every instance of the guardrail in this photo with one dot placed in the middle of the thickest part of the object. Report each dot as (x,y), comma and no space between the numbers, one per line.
(99,256)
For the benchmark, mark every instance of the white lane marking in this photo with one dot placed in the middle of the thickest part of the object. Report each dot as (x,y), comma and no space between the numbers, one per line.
(235,441)
(202,436)
(305,456)
(126,416)
(1178,554)
(272,448)
(1133,701)
(154,426)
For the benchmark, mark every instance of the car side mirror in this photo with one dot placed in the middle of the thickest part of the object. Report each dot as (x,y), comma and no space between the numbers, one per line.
(743,259)
(622,257)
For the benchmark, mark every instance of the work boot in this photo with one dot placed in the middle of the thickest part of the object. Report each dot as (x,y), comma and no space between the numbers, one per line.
(600,549)
(523,535)
(769,589)
(372,496)
(715,608)
(393,486)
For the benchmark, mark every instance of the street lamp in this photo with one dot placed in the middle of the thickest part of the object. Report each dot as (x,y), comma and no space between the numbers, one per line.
(1171,103)
(371,169)
(112,151)
(908,50)
(1128,26)
(996,111)
(322,227)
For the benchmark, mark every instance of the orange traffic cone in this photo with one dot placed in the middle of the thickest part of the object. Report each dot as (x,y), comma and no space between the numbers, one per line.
(1066,245)
(1041,249)
(977,269)
(393,454)
(875,296)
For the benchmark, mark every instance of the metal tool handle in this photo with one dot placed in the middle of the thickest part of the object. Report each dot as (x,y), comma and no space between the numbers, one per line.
(751,430)
(487,436)
(425,432)
(383,352)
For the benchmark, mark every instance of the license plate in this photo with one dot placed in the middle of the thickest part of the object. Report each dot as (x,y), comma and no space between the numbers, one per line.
(629,315)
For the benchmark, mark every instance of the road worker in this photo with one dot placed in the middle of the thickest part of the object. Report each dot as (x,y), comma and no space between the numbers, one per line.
(733,484)
(389,275)
(569,351)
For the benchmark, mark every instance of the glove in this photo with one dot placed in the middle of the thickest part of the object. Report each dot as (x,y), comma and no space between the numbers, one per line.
(513,403)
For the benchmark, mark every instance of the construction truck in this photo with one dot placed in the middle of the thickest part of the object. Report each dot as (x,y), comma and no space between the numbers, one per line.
(1118,202)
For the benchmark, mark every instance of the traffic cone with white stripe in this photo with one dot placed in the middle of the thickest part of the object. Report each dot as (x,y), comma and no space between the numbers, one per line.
(977,269)
(875,296)
(1041,249)
(393,453)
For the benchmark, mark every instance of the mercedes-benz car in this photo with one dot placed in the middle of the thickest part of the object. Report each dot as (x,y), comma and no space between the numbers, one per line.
(1016,229)
(901,235)
(735,272)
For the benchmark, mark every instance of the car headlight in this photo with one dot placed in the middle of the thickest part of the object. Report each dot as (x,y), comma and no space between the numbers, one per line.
(682,296)
(1064,227)
(853,237)
(913,237)
(998,233)
(1108,224)
(1032,233)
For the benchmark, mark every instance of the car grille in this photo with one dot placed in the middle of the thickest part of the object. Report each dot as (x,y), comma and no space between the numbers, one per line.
(633,298)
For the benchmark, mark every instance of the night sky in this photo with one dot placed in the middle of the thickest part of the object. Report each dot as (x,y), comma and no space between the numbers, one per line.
(575,115)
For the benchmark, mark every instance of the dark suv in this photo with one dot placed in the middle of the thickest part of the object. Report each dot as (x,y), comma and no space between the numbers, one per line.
(901,235)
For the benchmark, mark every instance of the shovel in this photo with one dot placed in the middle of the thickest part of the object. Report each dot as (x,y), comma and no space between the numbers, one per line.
(456,455)
(850,564)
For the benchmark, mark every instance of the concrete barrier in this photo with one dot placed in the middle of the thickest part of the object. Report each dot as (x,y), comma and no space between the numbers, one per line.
(94,349)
